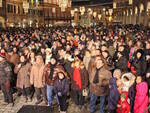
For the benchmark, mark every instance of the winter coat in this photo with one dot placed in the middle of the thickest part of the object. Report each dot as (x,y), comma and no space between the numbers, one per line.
(86,61)
(124,105)
(23,76)
(114,95)
(84,79)
(5,72)
(132,94)
(140,67)
(61,86)
(122,64)
(37,75)
(67,67)
(101,88)
(141,99)
(47,73)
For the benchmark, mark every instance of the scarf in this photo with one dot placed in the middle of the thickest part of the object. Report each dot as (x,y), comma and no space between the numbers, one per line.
(96,77)
(22,63)
(77,77)
(51,71)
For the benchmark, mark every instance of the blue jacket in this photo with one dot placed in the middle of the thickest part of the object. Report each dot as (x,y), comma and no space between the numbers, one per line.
(114,95)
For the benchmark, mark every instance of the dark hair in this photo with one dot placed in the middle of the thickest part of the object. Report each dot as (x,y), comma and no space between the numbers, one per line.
(142,77)
(125,77)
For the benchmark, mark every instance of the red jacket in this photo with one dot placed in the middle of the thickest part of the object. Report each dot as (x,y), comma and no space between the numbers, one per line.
(124,105)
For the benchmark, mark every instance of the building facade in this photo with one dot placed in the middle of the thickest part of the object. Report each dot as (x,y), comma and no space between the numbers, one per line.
(34,13)
(132,11)
(90,12)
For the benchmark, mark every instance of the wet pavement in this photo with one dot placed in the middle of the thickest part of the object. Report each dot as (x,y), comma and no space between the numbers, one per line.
(19,104)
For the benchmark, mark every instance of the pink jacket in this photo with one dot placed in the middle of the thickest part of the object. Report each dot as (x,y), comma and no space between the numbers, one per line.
(141,98)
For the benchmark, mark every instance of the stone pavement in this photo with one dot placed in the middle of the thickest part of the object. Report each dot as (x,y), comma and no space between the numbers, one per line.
(19,104)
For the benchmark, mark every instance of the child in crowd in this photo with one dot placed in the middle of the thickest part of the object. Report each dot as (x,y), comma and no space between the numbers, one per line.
(114,95)
(123,105)
(61,88)
(141,98)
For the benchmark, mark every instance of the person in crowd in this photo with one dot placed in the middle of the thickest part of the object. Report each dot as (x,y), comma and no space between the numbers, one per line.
(23,78)
(79,82)
(141,99)
(50,74)
(38,80)
(99,84)
(123,105)
(5,80)
(88,56)
(139,64)
(48,55)
(114,94)
(61,88)
(87,59)
(122,62)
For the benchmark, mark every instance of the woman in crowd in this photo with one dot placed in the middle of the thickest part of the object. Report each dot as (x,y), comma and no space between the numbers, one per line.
(23,77)
(79,82)
(37,79)
(141,99)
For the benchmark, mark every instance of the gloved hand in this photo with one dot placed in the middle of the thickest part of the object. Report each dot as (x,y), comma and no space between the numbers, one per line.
(59,94)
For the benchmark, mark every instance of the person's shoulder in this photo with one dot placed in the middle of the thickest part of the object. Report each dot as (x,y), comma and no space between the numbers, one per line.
(6,63)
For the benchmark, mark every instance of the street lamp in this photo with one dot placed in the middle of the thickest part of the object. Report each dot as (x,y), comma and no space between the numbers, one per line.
(82,10)
(130,2)
(99,16)
(94,14)
(141,8)
(114,5)
(136,10)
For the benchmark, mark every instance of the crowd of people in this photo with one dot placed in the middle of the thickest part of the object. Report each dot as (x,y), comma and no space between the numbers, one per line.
(110,65)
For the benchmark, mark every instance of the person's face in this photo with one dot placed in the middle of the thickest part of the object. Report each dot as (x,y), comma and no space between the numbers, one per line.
(138,43)
(22,59)
(14,50)
(139,55)
(130,43)
(32,55)
(47,53)
(77,64)
(148,46)
(87,54)
(61,76)
(117,74)
(121,48)
(103,48)
(38,60)
(26,52)
(68,48)
(42,50)
(138,79)
(53,61)
(105,55)
(1,59)
(10,53)
(99,63)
